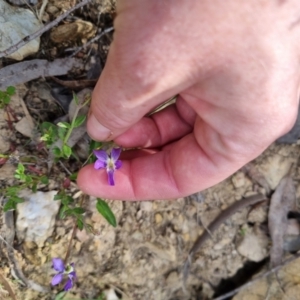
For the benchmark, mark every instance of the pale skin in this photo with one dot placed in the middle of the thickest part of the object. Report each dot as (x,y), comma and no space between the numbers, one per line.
(235,68)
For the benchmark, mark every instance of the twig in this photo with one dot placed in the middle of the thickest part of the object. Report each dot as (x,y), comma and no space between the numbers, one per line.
(96,38)
(39,32)
(65,168)
(233,292)
(214,225)
(70,243)
(73,234)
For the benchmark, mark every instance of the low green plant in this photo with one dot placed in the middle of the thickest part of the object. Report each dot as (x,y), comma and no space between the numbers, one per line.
(62,131)
(5,96)
(26,181)
(55,138)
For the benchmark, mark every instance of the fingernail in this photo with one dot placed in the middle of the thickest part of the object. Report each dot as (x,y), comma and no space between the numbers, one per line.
(97,130)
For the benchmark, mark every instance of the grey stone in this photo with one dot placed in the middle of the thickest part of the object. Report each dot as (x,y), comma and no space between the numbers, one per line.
(15,24)
(36,216)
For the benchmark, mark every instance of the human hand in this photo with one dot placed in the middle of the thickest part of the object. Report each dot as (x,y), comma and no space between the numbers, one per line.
(234,65)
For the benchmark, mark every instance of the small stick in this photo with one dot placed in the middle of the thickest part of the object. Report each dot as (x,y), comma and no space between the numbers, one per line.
(222,217)
(39,32)
(72,235)
(96,38)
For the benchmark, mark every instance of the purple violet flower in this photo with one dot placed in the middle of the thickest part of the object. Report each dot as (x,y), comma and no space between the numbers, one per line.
(108,161)
(69,270)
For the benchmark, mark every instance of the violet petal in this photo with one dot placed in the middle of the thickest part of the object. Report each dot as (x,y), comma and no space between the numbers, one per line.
(57,279)
(118,164)
(99,164)
(68,285)
(58,264)
(101,155)
(110,174)
(115,154)
(72,275)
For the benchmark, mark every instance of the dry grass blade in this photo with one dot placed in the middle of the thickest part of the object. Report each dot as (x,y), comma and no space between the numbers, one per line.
(283,200)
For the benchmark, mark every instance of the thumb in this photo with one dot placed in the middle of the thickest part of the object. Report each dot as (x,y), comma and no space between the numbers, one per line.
(139,73)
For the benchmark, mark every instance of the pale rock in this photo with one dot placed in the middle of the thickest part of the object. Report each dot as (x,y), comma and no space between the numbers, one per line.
(25,127)
(254,244)
(258,214)
(186,237)
(111,295)
(172,278)
(7,171)
(139,215)
(36,216)
(208,216)
(146,206)
(275,168)
(137,236)
(5,134)
(238,180)
(15,24)
(158,218)
(223,242)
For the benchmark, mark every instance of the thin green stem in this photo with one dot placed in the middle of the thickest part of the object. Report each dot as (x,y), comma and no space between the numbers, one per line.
(73,120)
(73,234)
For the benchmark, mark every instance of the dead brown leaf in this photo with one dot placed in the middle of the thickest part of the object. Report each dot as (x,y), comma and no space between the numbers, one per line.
(76,84)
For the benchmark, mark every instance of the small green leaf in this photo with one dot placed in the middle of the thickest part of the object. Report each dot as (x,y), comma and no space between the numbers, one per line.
(80,223)
(62,214)
(34,187)
(75,98)
(78,210)
(61,133)
(6,99)
(68,212)
(18,200)
(106,212)
(64,125)
(60,296)
(95,145)
(56,151)
(67,151)
(66,200)
(45,126)
(20,168)
(73,176)
(11,90)
(79,121)
(57,197)
(44,179)
(9,205)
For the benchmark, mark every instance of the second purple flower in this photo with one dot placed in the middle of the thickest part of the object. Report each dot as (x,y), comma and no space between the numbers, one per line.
(110,162)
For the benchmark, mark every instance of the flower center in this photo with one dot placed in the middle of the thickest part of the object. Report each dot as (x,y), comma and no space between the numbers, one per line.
(110,164)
